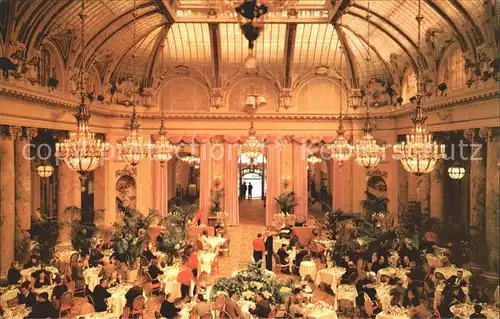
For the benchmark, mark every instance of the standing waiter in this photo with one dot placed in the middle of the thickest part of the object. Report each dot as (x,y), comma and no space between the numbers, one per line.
(269,250)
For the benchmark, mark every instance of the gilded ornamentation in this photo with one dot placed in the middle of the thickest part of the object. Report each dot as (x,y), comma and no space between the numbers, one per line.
(376,172)
(126,171)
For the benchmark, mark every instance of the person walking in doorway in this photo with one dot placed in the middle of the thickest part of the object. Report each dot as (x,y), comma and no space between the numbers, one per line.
(250,188)
(243,190)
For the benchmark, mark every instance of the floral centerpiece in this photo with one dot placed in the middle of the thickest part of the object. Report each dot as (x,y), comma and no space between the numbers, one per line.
(249,282)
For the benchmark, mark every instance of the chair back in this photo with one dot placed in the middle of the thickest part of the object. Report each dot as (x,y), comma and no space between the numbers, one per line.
(273,312)
(90,300)
(224,315)
(67,299)
(220,302)
(368,305)
(74,258)
(86,309)
(144,261)
(277,260)
(206,316)
(138,303)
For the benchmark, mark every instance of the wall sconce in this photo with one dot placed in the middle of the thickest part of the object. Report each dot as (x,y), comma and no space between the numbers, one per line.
(217,180)
(286,181)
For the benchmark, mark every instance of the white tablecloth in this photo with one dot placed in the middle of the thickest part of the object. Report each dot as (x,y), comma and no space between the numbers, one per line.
(384,293)
(330,276)
(16,312)
(215,241)
(321,313)
(438,293)
(117,301)
(434,261)
(26,273)
(447,272)
(173,288)
(307,268)
(384,315)
(99,315)
(170,273)
(347,292)
(47,289)
(278,242)
(91,276)
(465,310)
(206,259)
(9,294)
(394,273)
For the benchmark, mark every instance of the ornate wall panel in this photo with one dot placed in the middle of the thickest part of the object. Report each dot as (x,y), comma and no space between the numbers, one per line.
(194,96)
(236,95)
(319,95)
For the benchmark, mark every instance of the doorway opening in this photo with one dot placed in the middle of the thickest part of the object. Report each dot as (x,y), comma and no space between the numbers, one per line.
(252,188)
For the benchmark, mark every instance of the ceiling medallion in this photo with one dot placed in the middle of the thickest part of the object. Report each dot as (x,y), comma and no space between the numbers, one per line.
(82,152)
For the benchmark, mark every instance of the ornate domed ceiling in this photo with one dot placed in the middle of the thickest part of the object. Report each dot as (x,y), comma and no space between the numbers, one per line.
(204,37)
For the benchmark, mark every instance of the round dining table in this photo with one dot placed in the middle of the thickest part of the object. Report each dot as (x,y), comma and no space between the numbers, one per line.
(307,267)
(330,277)
(91,276)
(26,273)
(464,310)
(16,312)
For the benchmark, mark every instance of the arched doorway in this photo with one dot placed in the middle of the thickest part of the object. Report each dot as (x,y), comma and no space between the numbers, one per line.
(252,188)
(319,184)
(186,179)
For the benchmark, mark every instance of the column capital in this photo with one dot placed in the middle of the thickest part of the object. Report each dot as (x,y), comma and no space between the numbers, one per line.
(10,132)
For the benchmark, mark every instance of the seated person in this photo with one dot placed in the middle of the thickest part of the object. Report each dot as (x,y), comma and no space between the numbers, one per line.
(379,264)
(168,307)
(154,272)
(349,277)
(100,295)
(133,292)
(262,307)
(294,304)
(14,274)
(108,269)
(232,308)
(43,308)
(148,253)
(26,296)
(477,313)
(366,286)
(294,239)
(95,256)
(418,310)
(42,280)
(59,288)
(300,257)
(33,262)
(283,254)
(202,306)
(77,275)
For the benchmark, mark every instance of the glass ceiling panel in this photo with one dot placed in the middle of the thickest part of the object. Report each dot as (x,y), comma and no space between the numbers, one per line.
(143,52)
(476,9)
(269,47)
(188,43)
(315,45)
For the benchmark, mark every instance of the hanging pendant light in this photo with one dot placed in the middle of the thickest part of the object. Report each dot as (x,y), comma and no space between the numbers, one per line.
(456,171)
(82,151)
(419,154)
(45,170)
(252,147)
(367,152)
(162,149)
(340,150)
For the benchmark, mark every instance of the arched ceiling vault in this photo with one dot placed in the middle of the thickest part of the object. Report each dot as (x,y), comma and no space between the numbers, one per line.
(288,47)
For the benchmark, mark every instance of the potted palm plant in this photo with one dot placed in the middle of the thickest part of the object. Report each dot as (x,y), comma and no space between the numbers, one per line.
(286,202)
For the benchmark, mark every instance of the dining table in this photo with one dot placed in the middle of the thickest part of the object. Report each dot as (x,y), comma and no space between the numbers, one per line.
(47,289)
(206,259)
(447,272)
(16,312)
(330,277)
(26,273)
(98,315)
(91,276)
(307,267)
(278,242)
(464,310)
(319,310)
(384,294)
(214,242)
(117,301)
(8,293)
(393,272)
(434,260)
(65,255)
(400,314)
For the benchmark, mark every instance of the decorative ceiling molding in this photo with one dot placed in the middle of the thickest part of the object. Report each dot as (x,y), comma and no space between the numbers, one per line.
(431,106)
(290,33)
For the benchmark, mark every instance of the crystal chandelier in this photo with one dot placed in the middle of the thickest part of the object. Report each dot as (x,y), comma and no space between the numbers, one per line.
(191,160)
(366,151)
(133,148)
(420,153)
(313,159)
(162,149)
(340,149)
(82,151)
(252,148)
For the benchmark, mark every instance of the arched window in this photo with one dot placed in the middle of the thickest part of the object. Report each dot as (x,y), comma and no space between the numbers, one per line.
(454,75)
(45,67)
(409,88)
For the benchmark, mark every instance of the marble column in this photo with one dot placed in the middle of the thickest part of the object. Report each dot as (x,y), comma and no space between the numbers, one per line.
(69,195)
(273,178)
(156,171)
(300,178)
(402,188)
(7,203)
(23,197)
(99,187)
(231,200)
(423,192)
(478,187)
(493,202)
(437,201)
(205,178)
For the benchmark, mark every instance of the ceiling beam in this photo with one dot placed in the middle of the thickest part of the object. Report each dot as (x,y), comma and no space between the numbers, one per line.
(393,38)
(451,23)
(478,34)
(291,31)
(373,48)
(349,55)
(388,22)
(340,10)
(48,24)
(165,11)
(156,49)
(215,45)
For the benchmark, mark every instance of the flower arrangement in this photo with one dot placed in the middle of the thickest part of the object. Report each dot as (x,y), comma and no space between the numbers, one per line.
(251,281)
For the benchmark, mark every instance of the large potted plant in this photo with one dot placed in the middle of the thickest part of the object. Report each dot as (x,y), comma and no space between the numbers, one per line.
(130,234)
(216,197)
(45,232)
(286,202)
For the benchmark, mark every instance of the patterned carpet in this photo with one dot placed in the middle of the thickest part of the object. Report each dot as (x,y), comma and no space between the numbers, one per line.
(252,222)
